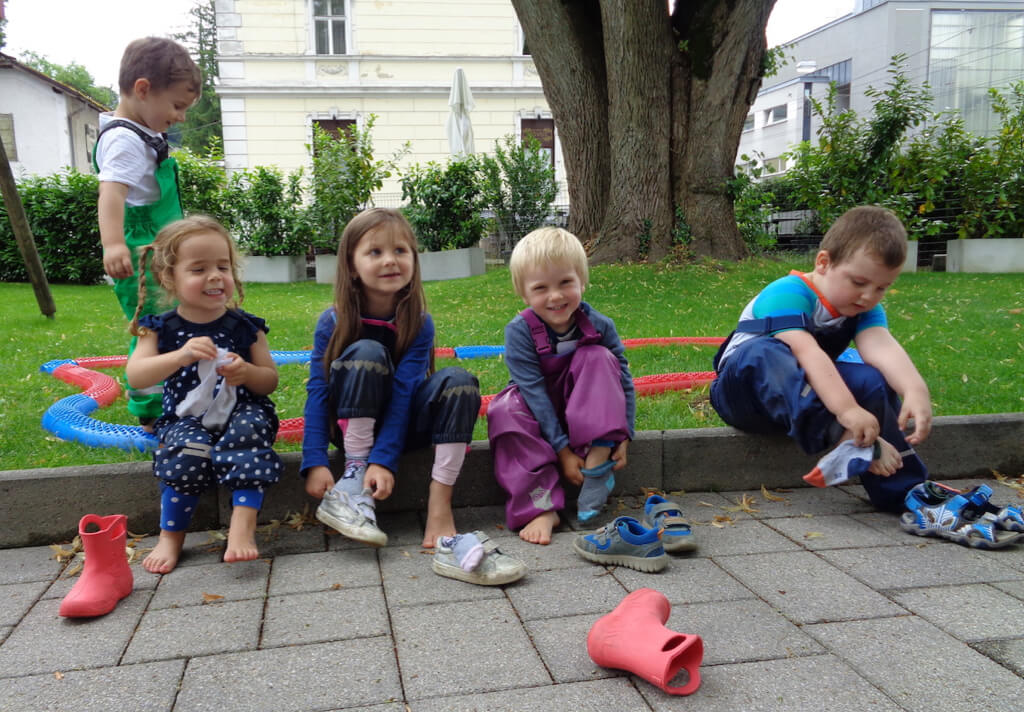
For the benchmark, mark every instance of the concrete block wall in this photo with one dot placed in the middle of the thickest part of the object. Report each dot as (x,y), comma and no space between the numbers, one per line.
(43,506)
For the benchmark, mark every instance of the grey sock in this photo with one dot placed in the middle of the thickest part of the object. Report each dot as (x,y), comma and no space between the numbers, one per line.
(598,483)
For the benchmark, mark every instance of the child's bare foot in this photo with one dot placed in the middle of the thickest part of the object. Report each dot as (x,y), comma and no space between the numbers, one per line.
(165,554)
(440,520)
(888,461)
(538,530)
(242,535)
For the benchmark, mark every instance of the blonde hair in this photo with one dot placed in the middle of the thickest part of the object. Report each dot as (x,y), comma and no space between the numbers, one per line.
(162,61)
(872,227)
(161,256)
(544,246)
(411,303)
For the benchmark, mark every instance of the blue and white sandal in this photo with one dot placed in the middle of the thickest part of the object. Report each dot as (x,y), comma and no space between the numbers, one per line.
(676,532)
(1007,517)
(936,511)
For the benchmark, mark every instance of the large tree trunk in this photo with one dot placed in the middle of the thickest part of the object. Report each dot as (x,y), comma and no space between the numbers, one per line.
(649,109)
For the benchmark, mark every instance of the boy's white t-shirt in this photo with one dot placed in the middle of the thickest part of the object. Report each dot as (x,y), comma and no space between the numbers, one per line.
(125,158)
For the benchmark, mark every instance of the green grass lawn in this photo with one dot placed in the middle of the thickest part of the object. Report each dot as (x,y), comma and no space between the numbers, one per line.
(962,330)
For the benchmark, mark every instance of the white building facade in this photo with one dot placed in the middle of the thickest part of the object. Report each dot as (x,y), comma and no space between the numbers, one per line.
(286,65)
(960,48)
(46,126)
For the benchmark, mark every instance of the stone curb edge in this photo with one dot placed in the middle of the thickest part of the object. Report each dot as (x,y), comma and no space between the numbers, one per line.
(43,506)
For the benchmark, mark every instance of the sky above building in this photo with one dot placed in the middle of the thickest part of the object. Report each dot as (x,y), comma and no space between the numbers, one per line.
(94,34)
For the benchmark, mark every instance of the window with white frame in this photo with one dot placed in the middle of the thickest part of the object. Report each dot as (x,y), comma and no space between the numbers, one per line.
(329,25)
(7,134)
(775,114)
(773,166)
(748,125)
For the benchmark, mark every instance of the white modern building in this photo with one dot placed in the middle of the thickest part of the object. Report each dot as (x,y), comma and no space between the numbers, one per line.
(46,126)
(960,48)
(286,65)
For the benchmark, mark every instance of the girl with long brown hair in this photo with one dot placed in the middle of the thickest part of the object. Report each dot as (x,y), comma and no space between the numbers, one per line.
(372,367)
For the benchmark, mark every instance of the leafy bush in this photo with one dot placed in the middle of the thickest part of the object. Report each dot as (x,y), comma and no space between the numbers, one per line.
(942,182)
(445,204)
(201,183)
(266,212)
(518,187)
(956,184)
(753,204)
(61,210)
(344,179)
(853,161)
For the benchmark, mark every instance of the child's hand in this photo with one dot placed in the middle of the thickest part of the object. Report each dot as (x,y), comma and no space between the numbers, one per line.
(570,464)
(196,349)
(117,261)
(861,425)
(318,480)
(236,372)
(380,480)
(919,407)
(619,455)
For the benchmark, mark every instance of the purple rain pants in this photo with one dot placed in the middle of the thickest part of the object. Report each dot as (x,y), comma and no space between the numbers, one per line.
(586,389)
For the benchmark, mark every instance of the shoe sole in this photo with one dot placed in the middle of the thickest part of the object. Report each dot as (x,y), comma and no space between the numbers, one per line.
(350,532)
(908,523)
(673,544)
(455,572)
(646,564)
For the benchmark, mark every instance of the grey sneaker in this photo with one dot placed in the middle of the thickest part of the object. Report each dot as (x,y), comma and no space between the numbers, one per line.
(494,569)
(352,516)
(624,542)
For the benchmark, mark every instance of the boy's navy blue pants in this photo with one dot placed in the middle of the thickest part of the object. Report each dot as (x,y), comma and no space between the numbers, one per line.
(761,388)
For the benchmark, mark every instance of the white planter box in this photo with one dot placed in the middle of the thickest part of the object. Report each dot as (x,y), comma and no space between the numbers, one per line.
(911,263)
(326,268)
(1004,254)
(452,264)
(257,268)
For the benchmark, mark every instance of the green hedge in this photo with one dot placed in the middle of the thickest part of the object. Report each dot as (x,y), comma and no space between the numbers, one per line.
(61,211)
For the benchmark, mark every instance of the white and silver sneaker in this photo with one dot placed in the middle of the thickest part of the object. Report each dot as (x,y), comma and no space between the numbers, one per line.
(351,515)
(494,569)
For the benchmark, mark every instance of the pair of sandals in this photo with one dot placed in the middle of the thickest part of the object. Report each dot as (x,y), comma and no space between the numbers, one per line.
(966,518)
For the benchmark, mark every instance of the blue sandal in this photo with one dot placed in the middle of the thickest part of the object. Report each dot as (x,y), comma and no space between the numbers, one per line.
(936,511)
(676,532)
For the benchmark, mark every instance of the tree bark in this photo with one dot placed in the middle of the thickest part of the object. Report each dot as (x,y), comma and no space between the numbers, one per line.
(649,109)
(23,236)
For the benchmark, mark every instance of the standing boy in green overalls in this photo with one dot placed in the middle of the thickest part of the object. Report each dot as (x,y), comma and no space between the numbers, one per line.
(138,195)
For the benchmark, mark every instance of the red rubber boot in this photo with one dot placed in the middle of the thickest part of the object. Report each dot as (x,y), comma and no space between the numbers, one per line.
(106,577)
(633,637)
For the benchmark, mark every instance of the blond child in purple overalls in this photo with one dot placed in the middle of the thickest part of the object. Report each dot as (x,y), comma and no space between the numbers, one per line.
(569,408)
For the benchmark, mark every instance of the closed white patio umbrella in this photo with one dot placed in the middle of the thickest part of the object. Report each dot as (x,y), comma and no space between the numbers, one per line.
(459,127)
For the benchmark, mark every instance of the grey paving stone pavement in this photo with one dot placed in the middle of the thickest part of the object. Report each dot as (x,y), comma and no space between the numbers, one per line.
(805,600)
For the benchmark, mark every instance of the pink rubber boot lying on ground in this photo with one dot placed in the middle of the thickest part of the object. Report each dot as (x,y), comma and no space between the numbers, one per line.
(106,577)
(633,637)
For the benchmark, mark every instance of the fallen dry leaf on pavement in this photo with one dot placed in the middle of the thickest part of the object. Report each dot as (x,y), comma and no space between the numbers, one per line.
(814,535)
(61,554)
(720,520)
(211,597)
(1016,483)
(771,497)
(746,504)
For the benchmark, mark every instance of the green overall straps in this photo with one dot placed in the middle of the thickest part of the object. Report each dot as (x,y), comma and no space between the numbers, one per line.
(141,224)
